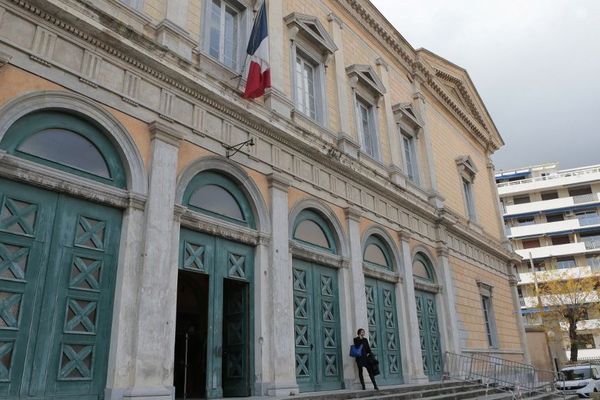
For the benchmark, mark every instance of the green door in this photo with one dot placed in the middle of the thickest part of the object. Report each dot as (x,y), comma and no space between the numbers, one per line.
(58,259)
(429,332)
(230,267)
(383,330)
(317,327)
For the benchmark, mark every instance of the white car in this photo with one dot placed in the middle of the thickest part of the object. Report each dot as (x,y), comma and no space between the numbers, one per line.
(582,380)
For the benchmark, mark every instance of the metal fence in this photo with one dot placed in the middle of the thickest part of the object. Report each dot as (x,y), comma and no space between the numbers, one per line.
(518,378)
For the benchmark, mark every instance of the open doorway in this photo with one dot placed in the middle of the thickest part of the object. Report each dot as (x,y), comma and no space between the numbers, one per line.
(190,335)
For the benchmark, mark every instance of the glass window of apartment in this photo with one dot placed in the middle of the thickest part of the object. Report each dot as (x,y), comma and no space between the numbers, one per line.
(224,26)
(549,195)
(531,243)
(588,217)
(525,221)
(580,191)
(410,156)
(555,217)
(593,261)
(539,266)
(366,127)
(560,239)
(565,262)
(585,341)
(521,199)
(591,240)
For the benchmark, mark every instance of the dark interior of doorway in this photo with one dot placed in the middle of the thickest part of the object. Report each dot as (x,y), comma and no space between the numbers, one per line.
(191,327)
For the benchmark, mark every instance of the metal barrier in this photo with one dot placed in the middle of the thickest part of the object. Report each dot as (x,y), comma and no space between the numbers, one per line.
(517,378)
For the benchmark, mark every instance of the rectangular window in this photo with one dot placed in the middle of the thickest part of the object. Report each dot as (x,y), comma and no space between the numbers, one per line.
(580,191)
(366,127)
(539,266)
(305,87)
(525,221)
(531,243)
(223,33)
(565,262)
(562,239)
(555,217)
(490,326)
(549,195)
(468,191)
(594,262)
(410,158)
(521,200)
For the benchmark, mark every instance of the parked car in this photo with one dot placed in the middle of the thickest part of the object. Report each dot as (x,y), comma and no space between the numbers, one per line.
(582,380)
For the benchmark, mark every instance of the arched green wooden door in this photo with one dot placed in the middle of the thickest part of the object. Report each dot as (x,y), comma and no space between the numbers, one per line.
(316,309)
(58,260)
(229,266)
(384,336)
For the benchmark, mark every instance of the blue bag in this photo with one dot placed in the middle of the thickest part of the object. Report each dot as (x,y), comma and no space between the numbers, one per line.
(356,351)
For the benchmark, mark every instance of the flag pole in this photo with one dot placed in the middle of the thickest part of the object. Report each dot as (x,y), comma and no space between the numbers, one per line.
(242,72)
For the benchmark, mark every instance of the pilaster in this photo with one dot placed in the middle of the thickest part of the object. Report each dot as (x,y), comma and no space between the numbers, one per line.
(282,322)
(157,297)
(494,187)
(392,131)
(171,32)
(337,27)
(450,315)
(414,357)
(517,312)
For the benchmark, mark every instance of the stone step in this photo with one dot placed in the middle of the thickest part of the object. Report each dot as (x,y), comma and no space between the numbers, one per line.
(467,391)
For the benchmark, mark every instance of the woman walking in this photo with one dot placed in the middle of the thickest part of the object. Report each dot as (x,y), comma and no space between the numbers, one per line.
(364,359)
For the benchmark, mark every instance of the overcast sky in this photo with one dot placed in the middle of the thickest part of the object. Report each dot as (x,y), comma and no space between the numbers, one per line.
(535,63)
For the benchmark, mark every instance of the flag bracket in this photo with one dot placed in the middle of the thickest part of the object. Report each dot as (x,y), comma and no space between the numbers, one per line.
(234,149)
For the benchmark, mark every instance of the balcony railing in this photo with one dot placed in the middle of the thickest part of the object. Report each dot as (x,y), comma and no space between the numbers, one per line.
(592,244)
(562,174)
(584,198)
(549,205)
(589,220)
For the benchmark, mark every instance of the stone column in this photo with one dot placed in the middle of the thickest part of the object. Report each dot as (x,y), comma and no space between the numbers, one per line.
(421,105)
(357,302)
(275,97)
(498,208)
(157,298)
(392,131)
(450,315)
(121,358)
(283,350)
(415,358)
(512,280)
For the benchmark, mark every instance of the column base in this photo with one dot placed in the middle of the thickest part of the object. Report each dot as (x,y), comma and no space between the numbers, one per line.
(140,393)
(283,389)
(418,379)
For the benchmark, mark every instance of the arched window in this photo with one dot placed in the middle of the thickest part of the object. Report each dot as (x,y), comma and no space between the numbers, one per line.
(66,142)
(422,269)
(312,229)
(214,194)
(377,253)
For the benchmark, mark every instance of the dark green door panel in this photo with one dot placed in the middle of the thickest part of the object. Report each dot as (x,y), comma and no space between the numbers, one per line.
(70,269)
(317,327)
(431,350)
(383,330)
(230,268)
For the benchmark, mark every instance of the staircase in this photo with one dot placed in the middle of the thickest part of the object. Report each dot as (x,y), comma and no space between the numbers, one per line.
(448,390)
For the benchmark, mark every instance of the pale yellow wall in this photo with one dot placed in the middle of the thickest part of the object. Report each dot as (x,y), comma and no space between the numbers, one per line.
(537,343)
(470,311)
(15,82)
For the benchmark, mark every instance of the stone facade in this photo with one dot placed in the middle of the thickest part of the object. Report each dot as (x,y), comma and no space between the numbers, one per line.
(143,73)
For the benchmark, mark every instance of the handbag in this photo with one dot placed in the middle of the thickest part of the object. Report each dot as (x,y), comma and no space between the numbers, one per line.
(373,366)
(356,351)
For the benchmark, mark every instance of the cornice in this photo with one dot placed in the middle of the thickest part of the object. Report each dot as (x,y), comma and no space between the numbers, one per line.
(4,59)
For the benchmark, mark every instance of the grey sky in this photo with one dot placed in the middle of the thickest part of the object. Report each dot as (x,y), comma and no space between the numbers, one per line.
(535,63)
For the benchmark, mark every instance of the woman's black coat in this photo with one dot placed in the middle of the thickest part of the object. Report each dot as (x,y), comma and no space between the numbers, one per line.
(363,361)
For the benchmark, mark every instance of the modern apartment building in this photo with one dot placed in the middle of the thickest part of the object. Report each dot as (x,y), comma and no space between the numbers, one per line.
(552,217)
(146,249)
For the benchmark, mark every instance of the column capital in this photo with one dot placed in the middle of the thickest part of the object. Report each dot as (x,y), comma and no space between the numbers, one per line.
(512,280)
(352,213)
(166,133)
(278,181)
(4,58)
(381,62)
(442,251)
(331,17)
(404,235)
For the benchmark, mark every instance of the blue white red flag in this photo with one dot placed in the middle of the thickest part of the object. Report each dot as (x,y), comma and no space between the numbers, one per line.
(259,74)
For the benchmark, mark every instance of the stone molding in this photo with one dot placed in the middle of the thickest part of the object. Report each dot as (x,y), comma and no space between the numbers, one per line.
(279,181)
(166,133)
(218,227)
(302,252)
(352,214)
(4,58)
(388,276)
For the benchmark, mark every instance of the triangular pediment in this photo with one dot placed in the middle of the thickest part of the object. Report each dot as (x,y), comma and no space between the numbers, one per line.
(405,112)
(312,30)
(366,74)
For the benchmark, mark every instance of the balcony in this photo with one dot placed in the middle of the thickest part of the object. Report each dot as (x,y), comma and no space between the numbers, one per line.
(568,225)
(565,177)
(528,278)
(553,251)
(532,301)
(547,205)
(588,324)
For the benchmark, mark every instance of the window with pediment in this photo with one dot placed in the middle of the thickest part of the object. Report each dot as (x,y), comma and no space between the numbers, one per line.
(409,127)
(311,48)
(467,172)
(225,33)
(367,90)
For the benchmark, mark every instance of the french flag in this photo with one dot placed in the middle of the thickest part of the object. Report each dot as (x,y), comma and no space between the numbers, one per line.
(259,74)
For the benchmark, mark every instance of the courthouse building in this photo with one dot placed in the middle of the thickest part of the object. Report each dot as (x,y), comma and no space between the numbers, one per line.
(158,231)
